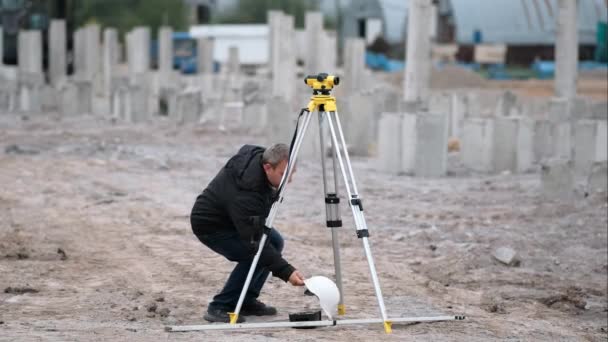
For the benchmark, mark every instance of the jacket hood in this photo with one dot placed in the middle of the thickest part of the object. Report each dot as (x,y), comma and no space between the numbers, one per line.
(247,170)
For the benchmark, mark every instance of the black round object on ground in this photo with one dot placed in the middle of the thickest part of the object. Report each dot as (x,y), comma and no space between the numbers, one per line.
(306,316)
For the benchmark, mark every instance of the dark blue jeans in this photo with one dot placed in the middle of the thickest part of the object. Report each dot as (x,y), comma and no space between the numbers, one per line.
(230,246)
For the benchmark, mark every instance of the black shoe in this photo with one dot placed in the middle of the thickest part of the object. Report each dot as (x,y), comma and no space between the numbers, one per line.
(220,315)
(257,308)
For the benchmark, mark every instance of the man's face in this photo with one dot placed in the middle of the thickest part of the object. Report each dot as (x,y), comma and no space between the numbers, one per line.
(275,174)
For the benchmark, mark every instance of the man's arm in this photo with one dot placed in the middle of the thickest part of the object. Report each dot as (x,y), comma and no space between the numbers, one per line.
(247,213)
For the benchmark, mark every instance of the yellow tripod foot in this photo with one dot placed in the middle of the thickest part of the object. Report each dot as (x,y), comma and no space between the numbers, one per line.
(388,327)
(233,317)
(341,310)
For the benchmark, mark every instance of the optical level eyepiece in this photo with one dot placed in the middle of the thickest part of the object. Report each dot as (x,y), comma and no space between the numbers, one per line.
(322,82)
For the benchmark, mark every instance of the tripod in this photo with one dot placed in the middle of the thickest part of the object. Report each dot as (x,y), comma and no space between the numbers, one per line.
(325,105)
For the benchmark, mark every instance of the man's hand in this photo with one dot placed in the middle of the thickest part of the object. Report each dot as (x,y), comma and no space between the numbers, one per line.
(296,278)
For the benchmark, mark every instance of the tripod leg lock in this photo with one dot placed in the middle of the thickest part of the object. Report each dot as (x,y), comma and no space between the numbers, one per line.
(361,233)
(357,202)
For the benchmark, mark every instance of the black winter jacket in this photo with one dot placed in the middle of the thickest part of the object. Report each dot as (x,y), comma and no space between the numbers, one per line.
(239,198)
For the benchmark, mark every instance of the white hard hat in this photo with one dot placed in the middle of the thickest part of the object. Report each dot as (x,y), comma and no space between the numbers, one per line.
(327,292)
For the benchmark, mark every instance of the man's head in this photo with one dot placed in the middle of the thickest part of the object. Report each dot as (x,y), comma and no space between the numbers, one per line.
(274,161)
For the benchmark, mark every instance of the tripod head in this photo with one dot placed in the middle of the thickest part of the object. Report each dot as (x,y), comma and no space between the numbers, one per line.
(321,84)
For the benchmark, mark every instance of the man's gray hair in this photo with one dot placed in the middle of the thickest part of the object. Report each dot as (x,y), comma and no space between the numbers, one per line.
(275,154)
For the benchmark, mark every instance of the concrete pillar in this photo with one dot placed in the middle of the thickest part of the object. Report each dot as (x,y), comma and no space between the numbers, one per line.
(165,53)
(84,97)
(418,60)
(79,53)
(233,64)
(57,52)
(255,116)
(431,145)
(566,49)
(138,50)
(30,52)
(561,127)
(205,48)
(329,58)
(389,143)
(457,108)
(408,142)
(30,75)
(358,121)
(284,69)
(274,42)
(1,47)
(110,57)
(281,121)
(68,95)
(506,104)
(188,107)
(513,144)
(137,104)
(354,64)
(313,23)
(543,141)
(478,144)
(92,55)
(590,146)
(557,180)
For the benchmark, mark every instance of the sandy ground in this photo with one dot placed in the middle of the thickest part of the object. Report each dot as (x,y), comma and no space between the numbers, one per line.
(95,243)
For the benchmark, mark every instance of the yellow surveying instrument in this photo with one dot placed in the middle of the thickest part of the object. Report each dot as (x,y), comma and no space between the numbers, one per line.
(325,105)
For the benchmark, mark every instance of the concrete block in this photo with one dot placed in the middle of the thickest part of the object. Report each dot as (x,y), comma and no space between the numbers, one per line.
(598,177)
(513,139)
(580,109)
(409,139)
(505,132)
(431,145)
(359,124)
(525,145)
(506,104)
(478,144)
(167,98)
(57,52)
(281,121)
(138,109)
(311,145)
(49,98)
(189,106)
(85,97)
(543,141)
(30,98)
(600,111)
(590,146)
(255,116)
(119,101)
(561,133)
(69,104)
(557,180)
(559,110)
(389,142)
(457,109)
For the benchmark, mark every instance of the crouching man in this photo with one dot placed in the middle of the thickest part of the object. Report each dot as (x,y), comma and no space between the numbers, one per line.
(228,217)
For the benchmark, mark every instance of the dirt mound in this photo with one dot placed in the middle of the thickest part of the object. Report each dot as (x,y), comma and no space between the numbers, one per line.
(453,76)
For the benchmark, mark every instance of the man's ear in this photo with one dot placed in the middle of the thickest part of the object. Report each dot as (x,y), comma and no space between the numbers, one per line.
(267,167)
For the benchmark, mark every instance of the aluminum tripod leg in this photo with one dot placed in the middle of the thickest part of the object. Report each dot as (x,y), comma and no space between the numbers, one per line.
(334,233)
(273,211)
(356,206)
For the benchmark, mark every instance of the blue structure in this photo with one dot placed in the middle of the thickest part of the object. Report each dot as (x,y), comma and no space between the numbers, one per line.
(184,52)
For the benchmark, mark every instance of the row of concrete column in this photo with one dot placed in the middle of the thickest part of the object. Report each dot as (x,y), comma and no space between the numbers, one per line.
(424,134)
